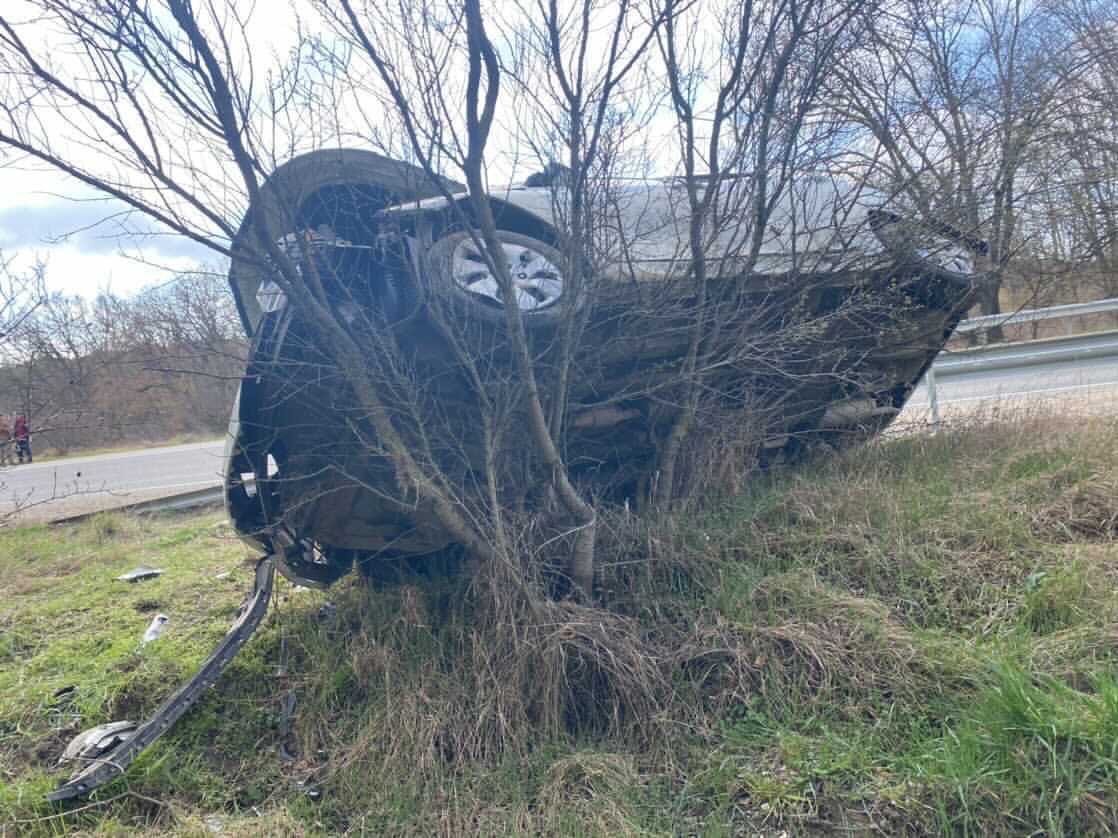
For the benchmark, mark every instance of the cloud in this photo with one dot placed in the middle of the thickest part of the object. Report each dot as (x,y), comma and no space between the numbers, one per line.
(89,243)
(75,271)
(93,226)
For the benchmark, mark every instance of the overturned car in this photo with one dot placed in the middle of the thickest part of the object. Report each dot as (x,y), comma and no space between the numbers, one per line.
(816,326)
(819,331)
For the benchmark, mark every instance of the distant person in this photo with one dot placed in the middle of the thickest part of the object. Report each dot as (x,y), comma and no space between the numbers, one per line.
(23,438)
(5,441)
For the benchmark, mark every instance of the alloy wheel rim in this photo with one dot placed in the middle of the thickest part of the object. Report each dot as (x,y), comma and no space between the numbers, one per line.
(537,281)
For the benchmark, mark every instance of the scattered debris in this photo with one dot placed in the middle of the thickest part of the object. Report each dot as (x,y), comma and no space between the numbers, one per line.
(214,824)
(98,740)
(64,692)
(311,791)
(287,712)
(142,572)
(224,574)
(99,771)
(62,708)
(156,628)
(327,611)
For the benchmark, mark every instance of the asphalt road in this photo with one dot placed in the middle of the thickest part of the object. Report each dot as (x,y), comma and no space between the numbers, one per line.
(1085,383)
(58,488)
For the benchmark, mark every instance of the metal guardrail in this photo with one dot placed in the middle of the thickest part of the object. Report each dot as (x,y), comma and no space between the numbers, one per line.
(1024,354)
(988,321)
(1028,353)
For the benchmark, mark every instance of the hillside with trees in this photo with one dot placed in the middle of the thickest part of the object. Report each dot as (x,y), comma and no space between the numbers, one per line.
(115,370)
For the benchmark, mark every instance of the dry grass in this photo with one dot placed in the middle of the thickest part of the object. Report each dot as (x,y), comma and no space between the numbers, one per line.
(1084,510)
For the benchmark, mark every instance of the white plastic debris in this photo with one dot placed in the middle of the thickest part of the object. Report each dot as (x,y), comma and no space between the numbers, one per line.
(141,572)
(91,743)
(157,627)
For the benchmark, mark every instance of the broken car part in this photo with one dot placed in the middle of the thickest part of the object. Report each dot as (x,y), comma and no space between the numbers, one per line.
(157,626)
(93,743)
(106,751)
(140,573)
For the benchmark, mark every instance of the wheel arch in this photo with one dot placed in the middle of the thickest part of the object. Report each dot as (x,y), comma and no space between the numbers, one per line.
(507,215)
(282,195)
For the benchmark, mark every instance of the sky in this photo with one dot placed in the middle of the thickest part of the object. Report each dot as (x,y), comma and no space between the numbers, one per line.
(91,244)
(88,243)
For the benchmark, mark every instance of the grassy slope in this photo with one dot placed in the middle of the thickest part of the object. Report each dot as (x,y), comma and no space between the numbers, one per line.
(919,637)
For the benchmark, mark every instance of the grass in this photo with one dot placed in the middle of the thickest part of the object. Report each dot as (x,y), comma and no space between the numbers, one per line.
(918,637)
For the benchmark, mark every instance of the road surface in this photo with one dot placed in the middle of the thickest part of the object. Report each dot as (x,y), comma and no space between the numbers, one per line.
(1076,385)
(59,488)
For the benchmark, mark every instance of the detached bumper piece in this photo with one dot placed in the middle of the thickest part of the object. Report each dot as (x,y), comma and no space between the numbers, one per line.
(106,751)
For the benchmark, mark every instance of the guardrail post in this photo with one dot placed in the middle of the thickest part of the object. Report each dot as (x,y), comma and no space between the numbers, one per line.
(933,396)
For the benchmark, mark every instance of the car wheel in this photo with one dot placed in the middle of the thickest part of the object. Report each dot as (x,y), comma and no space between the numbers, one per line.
(289,187)
(945,254)
(457,272)
(938,251)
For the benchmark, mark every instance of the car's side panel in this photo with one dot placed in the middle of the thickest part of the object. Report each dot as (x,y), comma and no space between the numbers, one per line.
(818,225)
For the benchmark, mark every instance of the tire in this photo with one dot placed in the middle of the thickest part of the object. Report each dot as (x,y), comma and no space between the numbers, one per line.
(945,251)
(284,192)
(456,275)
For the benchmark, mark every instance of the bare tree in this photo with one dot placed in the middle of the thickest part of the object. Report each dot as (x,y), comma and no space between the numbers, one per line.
(21,295)
(956,98)
(1081,195)
(500,433)
(91,373)
(51,358)
(742,145)
(572,94)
